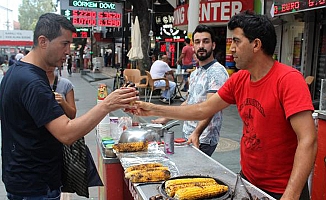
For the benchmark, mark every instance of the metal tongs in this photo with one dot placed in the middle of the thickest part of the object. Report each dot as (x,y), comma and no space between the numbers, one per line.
(239,179)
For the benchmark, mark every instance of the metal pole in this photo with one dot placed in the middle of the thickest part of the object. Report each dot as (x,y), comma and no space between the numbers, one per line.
(92,50)
(7,22)
(123,36)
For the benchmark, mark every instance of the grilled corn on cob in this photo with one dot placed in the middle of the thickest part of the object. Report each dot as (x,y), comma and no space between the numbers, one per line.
(131,146)
(150,176)
(171,186)
(188,180)
(196,192)
(128,175)
(143,166)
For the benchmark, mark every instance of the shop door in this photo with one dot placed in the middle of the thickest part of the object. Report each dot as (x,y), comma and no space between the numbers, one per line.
(321,61)
(292,47)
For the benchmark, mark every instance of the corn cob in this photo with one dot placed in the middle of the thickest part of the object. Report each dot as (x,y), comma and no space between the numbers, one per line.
(131,173)
(143,166)
(150,176)
(196,192)
(188,180)
(131,146)
(171,186)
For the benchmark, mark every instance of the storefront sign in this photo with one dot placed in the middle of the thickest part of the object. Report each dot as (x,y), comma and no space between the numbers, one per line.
(16,38)
(92,13)
(297,6)
(92,18)
(92,4)
(166,31)
(82,33)
(212,12)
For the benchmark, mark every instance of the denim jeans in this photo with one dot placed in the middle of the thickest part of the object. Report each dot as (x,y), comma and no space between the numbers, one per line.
(51,195)
(167,93)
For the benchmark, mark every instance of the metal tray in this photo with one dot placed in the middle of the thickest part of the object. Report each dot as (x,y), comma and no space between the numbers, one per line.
(222,196)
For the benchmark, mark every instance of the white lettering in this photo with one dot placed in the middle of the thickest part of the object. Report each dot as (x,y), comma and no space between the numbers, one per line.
(225,11)
(87,4)
(215,7)
(236,8)
(205,12)
(219,11)
(107,5)
(179,16)
(171,19)
(165,19)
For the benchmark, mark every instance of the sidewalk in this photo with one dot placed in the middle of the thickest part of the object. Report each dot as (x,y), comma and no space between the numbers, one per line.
(227,152)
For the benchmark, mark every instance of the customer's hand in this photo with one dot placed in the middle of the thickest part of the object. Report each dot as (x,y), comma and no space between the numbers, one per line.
(58,97)
(121,98)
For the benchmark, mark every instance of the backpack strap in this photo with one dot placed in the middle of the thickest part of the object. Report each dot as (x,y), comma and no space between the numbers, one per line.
(54,87)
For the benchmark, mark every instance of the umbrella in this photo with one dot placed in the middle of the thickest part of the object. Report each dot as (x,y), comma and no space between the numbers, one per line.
(135,52)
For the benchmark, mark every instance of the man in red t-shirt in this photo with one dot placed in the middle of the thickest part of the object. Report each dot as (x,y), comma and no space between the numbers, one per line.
(185,59)
(278,144)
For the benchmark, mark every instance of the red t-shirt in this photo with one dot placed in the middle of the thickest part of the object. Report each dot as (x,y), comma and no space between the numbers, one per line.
(188,52)
(268,143)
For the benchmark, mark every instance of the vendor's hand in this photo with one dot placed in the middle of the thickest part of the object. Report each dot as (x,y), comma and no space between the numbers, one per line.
(142,109)
(161,120)
(122,98)
(194,139)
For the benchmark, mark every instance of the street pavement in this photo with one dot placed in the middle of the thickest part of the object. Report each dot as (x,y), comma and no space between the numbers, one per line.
(227,152)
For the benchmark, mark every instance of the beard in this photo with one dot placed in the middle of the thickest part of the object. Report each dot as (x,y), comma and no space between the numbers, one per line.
(202,57)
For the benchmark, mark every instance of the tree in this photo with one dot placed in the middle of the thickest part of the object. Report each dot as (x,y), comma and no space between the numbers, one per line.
(140,9)
(31,10)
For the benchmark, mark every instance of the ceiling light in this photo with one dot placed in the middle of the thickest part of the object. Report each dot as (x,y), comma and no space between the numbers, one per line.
(157,2)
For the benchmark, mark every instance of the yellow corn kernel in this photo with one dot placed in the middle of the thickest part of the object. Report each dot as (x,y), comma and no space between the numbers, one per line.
(150,176)
(188,180)
(131,146)
(131,173)
(143,166)
(171,186)
(196,192)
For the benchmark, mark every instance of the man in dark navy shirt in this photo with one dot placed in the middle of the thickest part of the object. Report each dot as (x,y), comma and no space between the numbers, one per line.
(30,115)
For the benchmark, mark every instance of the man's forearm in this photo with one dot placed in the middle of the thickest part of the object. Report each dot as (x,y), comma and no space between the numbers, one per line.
(201,126)
(303,164)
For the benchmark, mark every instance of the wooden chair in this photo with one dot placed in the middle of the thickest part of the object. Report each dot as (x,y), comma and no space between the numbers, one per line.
(133,75)
(153,88)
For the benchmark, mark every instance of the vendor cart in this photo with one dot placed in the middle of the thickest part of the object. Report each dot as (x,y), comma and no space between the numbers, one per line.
(188,160)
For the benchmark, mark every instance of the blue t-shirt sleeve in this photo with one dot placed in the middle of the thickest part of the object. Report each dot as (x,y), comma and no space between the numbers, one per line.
(39,101)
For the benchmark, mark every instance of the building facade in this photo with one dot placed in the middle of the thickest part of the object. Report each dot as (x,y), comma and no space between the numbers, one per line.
(301,33)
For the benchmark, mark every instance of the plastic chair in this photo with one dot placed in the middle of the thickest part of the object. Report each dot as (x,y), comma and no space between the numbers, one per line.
(133,75)
(153,88)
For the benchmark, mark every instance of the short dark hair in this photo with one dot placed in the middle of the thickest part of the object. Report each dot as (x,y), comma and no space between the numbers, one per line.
(49,25)
(203,28)
(255,26)
(187,40)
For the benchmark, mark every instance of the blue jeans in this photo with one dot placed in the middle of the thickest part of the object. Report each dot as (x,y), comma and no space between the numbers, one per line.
(51,195)
(167,93)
